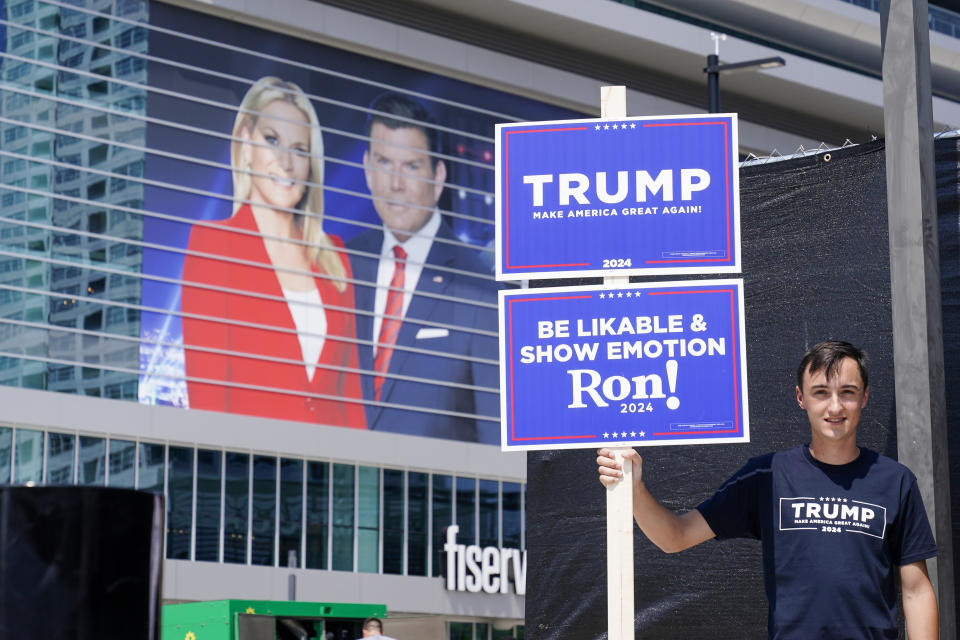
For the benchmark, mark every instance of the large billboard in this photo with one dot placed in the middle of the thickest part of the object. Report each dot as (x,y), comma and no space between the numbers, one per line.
(320,242)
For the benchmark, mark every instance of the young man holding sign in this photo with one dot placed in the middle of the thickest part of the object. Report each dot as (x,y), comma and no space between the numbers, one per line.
(837,522)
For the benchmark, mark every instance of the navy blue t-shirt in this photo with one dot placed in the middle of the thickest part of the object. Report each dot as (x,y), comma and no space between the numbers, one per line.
(834,537)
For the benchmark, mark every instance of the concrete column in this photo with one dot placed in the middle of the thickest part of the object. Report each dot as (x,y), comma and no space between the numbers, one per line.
(915,276)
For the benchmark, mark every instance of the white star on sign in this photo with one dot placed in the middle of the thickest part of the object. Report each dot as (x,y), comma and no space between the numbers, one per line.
(602,296)
(633,125)
(598,127)
(624,434)
(619,294)
(605,127)
(633,434)
(606,435)
(643,435)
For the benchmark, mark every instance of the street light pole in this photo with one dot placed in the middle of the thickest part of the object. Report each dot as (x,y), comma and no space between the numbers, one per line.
(714,69)
(713,83)
(713,73)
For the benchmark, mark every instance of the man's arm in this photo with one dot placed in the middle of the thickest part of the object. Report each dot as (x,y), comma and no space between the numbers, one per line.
(919,602)
(666,529)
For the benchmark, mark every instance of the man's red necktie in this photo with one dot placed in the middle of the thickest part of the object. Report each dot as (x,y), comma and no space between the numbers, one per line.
(390,325)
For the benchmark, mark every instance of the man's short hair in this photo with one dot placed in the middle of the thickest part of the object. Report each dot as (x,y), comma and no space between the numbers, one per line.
(827,356)
(397,111)
(373,624)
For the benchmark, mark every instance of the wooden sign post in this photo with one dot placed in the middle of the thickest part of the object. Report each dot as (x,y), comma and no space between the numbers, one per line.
(613,105)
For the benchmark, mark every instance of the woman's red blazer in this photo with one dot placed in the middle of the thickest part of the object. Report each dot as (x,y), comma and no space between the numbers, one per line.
(244,312)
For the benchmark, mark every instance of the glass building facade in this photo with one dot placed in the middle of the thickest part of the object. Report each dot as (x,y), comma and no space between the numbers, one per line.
(248,508)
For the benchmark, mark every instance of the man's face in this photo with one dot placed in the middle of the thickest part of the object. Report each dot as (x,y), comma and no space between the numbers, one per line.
(401,178)
(833,406)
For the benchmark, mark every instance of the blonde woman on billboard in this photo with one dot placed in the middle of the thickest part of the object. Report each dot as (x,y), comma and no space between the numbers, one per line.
(266,300)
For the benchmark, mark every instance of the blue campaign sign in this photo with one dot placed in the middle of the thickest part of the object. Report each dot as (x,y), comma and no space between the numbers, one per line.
(654,195)
(644,364)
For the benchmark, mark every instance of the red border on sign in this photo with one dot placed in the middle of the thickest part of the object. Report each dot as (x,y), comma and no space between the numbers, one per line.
(726,182)
(733,355)
(506,198)
(513,437)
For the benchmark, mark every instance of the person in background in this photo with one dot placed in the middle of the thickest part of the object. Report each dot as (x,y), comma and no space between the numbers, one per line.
(373,628)
(423,316)
(840,525)
(266,299)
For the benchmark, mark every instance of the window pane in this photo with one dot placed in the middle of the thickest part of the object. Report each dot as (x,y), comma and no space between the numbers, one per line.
(60,458)
(511,515)
(466,510)
(179,502)
(264,509)
(461,631)
(291,512)
(209,468)
(122,459)
(417,510)
(28,466)
(236,508)
(6,445)
(343,503)
(93,461)
(392,521)
(151,467)
(442,518)
(368,525)
(489,519)
(506,634)
(483,631)
(318,509)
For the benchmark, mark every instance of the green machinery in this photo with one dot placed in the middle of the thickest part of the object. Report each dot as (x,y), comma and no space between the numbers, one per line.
(266,620)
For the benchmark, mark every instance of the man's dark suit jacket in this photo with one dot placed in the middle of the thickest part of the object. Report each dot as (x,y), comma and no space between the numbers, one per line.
(445,363)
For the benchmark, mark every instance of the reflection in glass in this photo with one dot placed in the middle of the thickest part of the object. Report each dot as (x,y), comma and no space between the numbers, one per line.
(179,502)
(92,467)
(264,523)
(506,634)
(209,468)
(236,508)
(442,518)
(343,503)
(393,521)
(368,524)
(291,512)
(511,515)
(60,452)
(489,520)
(467,510)
(461,631)
(6,448)
(318,509)
(123,455)
(151,467)
(417,510)
(28,460)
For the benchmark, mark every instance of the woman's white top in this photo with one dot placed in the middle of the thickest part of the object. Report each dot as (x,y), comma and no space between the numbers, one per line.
(306,307)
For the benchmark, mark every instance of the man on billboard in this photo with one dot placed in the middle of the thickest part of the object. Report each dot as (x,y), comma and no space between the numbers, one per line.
(839,524)
(426,327)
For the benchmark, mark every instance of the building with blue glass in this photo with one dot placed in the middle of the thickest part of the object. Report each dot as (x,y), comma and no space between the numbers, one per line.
(118,130)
